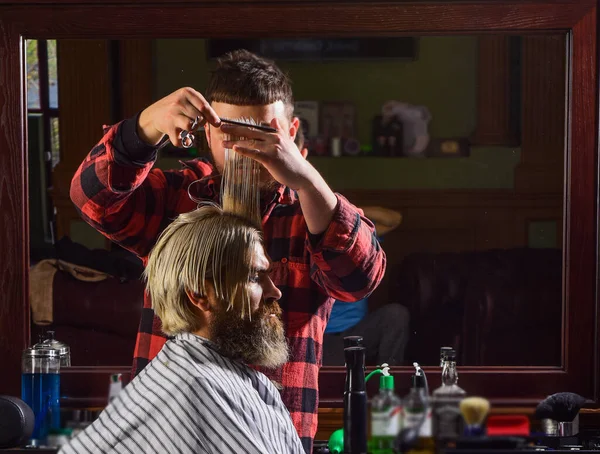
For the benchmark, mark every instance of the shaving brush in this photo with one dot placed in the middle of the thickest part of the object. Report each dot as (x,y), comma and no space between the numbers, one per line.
(559,412)
(560,407)
(474,411)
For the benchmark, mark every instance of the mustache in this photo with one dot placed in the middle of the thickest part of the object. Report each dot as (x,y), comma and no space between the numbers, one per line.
(272,307)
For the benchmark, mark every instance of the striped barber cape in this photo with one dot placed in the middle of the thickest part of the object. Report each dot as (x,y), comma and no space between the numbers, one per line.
(192,399)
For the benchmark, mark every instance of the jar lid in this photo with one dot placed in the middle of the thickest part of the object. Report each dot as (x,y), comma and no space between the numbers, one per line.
(34,352)
(50,343)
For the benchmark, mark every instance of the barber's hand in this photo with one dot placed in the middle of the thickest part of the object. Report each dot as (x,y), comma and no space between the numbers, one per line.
(173,114)
(276,151)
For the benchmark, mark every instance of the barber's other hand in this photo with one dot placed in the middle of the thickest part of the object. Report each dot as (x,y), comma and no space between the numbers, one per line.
(175,113)
(276,151)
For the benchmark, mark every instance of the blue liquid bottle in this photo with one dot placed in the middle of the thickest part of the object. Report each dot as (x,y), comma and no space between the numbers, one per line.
(40,389)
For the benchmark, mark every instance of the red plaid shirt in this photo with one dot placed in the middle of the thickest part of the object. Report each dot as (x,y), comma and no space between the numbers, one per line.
(117,192)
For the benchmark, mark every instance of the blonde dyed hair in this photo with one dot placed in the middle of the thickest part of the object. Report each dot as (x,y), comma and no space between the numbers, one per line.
(207,244)
(240,193)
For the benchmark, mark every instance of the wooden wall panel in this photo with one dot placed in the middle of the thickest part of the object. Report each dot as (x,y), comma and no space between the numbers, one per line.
(136,75)
(494,126)
(544,107)
(84,107)
(87,97)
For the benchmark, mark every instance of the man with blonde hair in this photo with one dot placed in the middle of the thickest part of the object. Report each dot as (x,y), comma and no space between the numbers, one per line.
(208,277)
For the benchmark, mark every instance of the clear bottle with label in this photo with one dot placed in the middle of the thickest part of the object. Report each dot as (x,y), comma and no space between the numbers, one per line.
(115,387)
(449,376)
(386,416)
(416,411)
(447,419)
(415,403)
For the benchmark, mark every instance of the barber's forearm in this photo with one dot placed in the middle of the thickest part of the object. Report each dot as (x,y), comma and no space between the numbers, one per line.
(318,204)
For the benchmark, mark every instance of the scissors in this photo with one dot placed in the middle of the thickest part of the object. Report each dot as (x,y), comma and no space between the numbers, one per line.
(188,138)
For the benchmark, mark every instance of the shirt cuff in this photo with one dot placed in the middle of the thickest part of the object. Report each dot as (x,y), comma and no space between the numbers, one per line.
(342,230)
(315,239)
(129,149)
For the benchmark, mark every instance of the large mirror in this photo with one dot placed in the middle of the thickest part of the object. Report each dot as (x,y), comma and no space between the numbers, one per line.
(454,146)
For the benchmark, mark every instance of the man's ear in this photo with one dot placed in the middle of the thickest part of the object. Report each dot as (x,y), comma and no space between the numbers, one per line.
(201,302)
(294,125)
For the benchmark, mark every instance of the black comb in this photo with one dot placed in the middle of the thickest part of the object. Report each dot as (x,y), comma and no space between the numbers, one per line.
(248,125)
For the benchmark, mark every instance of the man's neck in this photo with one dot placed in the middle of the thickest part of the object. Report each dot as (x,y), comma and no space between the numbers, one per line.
(203,332)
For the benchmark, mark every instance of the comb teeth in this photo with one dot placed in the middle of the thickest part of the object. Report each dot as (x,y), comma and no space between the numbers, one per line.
(251,123)
(243,121)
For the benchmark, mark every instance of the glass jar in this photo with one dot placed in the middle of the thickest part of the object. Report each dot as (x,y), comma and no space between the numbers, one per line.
(40,389)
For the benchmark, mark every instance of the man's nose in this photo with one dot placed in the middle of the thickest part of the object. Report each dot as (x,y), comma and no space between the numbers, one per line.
(271,292)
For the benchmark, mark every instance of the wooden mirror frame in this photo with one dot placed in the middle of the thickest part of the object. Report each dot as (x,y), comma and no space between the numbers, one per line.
(46,19)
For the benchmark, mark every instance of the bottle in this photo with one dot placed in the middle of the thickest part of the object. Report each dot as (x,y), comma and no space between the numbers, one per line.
(355,402)
(386,414)
(336,442)
(115,386)
(449,385)
(59,437)
(417,412)
(353,341)
(443,354)
(40,389)
(447,419)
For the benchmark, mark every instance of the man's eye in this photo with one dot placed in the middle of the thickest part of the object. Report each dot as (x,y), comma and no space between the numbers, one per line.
(254,278)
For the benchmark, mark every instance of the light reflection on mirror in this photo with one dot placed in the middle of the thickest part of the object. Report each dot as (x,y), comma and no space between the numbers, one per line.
(453,146)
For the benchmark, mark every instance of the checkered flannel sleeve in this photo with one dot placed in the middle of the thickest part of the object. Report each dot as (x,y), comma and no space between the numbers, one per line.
(125,200)
(348,261)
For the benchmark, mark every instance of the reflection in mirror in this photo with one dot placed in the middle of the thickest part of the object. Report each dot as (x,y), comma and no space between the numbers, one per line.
(452,146)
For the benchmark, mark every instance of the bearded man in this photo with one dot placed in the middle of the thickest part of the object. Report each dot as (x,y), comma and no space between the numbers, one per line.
(208,279)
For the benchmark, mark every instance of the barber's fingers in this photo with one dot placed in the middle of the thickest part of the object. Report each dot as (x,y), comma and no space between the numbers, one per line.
(253,153)
(179,123)
(244,143)
(197,118)
(202,106)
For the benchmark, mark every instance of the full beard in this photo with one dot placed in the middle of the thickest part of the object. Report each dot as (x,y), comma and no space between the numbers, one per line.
(258,342)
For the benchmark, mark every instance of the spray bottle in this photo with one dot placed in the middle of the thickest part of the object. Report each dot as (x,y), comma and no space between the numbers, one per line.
(417,416)
(355,402)
(336,440)
(386,414)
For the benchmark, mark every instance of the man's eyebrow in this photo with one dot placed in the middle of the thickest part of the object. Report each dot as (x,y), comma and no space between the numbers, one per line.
(269,268)
(262,269)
